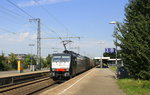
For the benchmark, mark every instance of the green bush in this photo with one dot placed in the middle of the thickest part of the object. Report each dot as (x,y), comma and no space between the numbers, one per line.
(7,67)
(144,75)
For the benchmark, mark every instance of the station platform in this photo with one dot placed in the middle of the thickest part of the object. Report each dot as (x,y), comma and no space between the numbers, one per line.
(4,74)
(96,81)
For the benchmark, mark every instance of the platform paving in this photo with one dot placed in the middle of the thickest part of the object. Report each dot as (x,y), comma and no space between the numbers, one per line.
(96,81)
(16,73)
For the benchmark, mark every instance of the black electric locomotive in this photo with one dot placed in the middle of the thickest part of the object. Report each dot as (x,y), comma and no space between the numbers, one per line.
(68,64)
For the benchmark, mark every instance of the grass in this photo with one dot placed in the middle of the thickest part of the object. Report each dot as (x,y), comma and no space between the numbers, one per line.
(113,68)
(134,87)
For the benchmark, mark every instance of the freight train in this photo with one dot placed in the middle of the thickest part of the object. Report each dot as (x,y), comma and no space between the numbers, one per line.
(68,64)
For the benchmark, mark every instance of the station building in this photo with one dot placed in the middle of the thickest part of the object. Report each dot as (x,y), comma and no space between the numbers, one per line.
(108,60)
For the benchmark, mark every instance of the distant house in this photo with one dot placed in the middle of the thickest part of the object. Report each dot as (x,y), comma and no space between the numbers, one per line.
(19,56)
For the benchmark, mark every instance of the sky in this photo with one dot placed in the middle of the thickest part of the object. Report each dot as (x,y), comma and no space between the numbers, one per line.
(87,19)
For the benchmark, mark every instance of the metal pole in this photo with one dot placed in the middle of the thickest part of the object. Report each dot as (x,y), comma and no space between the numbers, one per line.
(116,53)
(115,22)
(31,65)
(78,49)
(38,44)
(101,61)
(101,57)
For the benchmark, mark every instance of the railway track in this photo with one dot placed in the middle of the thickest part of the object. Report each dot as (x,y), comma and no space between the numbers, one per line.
(28,88)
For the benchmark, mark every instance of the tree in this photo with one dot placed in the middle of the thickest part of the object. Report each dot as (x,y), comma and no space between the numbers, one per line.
(134,38)
(112,55)
(48,60)
(4,63)
(43,63)
(13,61)
(2,59)
(28,60)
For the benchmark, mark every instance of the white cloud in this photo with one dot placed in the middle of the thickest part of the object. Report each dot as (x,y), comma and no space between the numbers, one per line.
(1,36)
(18,37)
(6,36)
(33,36)
(40,2)
(23,35)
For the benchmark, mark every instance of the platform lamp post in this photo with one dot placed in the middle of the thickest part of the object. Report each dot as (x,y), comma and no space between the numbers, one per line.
(31,45)
(115,22)
(101,53)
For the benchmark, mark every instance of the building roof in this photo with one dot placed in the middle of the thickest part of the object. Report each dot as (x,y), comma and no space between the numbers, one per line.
(106,58)
(102,58)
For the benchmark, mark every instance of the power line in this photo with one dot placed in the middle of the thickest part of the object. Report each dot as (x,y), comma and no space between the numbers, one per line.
(28,14)
(33,18)
(52,30)
(51,15)
(9,15)
(20,8)
(12,12)
(9,18)
(7,31)
(61,37)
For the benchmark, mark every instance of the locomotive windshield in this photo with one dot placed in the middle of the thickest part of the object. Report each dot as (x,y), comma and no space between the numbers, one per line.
(65,58)
(61,58)
(56,58)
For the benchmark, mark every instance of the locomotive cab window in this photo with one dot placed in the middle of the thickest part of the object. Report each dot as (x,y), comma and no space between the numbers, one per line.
(61,58)
(65,58)
(56,58)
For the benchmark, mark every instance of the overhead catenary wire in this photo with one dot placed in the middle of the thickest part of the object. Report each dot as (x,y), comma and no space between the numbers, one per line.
(15,13)
(7,30)
(20,8)
(58,33)
(10,18)
(31,16)
(50,14)
(52,30)
(58,21)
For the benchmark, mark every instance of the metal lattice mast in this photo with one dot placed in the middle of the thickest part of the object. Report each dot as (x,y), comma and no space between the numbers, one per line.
(38,43)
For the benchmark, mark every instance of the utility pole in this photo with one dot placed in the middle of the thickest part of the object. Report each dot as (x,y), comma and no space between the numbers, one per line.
(38,43)
(31,65)
(115,22)
(101,61)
